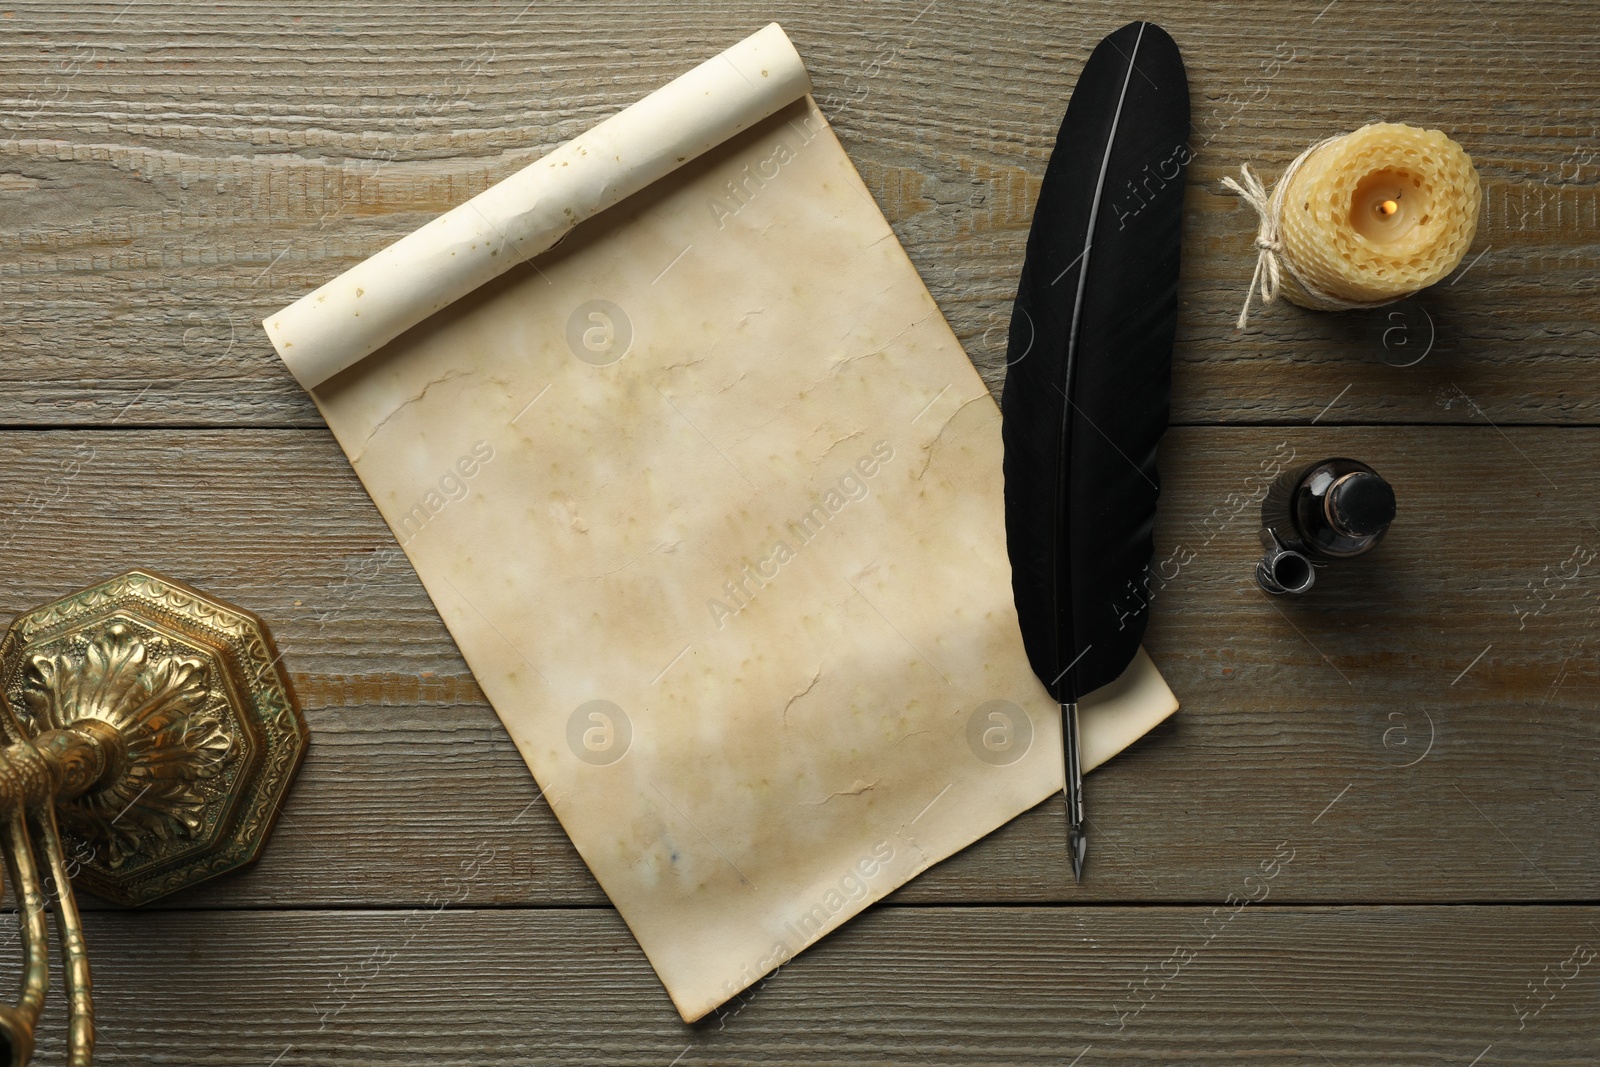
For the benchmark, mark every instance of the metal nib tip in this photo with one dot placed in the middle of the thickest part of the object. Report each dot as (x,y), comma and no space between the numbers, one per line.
(1079,844)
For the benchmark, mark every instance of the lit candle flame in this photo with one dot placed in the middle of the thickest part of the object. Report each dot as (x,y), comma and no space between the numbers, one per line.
(1387,208)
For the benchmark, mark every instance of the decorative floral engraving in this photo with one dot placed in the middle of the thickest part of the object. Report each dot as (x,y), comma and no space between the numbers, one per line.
(170,713)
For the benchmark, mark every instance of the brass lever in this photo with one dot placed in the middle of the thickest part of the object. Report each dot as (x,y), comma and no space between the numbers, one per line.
(156,723)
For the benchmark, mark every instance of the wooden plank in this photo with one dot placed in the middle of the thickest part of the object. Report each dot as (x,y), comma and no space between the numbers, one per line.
(1269,986)
(170,175)
(1421,726)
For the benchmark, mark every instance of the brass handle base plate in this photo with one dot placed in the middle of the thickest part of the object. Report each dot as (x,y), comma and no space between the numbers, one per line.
(210,732)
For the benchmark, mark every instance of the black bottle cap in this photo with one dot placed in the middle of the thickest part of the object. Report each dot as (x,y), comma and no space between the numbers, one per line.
(1361,505)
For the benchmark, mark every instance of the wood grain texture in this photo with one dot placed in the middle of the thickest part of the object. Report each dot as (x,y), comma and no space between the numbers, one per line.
(1418,737)
(172,173)
(1465,646)
(1268,986)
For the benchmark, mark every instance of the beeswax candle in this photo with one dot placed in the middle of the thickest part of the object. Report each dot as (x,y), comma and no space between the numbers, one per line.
(1364,219)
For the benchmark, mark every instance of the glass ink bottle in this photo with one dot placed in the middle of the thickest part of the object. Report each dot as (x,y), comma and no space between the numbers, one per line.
(1329,510)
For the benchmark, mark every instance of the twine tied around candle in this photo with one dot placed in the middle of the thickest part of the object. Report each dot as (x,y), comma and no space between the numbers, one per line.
(1273,261)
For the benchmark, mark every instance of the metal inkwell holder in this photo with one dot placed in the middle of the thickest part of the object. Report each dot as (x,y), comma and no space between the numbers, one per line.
(1314,515)
(149,737)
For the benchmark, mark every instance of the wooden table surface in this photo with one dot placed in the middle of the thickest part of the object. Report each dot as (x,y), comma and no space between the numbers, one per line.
(1397,775)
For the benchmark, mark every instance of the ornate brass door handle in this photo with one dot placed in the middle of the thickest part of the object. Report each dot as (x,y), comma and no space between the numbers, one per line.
(149,736)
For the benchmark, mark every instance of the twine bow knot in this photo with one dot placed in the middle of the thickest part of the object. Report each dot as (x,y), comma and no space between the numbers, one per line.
(1268,277)
(1273,260)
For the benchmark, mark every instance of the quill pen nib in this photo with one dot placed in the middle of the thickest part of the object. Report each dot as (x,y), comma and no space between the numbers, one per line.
(1077,842)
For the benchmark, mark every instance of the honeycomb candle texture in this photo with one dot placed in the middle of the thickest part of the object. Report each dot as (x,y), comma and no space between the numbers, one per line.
(1364,219)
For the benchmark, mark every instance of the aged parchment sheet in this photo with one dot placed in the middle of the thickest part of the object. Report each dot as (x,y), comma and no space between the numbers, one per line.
(709,496)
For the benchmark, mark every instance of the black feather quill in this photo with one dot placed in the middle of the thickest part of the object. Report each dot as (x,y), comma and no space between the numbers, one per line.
(1088,373)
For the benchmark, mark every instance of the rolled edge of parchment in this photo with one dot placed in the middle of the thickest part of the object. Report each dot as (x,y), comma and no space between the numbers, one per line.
(355,314)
